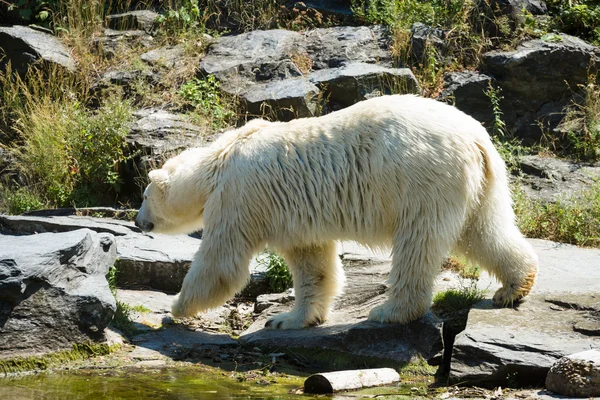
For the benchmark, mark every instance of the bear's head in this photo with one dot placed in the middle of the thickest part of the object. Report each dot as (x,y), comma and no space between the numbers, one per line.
(174,199)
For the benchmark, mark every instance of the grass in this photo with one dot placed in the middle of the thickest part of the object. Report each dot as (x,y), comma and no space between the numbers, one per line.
(574,220)
(122,317)
(456,300)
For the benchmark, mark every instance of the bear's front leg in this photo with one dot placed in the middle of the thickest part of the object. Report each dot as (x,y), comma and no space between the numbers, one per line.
(218,271)
(318,278)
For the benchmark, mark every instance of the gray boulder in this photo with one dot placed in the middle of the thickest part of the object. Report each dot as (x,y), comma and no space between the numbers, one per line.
(267,70)
(112,41)
(424,39)
(53,291)
(167,57)
(347,339)
(132,20)
(354,82)
(538,79)
(549,179)
(576,375)
(23,47)
(519,345)
(467,91)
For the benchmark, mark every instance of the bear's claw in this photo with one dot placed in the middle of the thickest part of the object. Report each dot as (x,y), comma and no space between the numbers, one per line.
(506,296)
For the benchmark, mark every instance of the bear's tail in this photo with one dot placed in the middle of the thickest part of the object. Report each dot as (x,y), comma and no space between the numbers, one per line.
(491,237)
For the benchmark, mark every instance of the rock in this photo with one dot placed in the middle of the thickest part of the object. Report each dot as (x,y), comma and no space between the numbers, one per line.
(266,69)
(111,41)
(576,375)
(336,8)
(549,179)
(284,100)
(424,39)
(354,82)
(132,20)
(255,56)
(336,46)
(539,77)
(347,340)
(53,291)
(167,57)
(125,79)
(23,46)
(466,90)
(519,345)
(156,135)
(28,225)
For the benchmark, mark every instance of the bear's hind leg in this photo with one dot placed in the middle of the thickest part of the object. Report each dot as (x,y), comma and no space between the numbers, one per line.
(493,240)
(318,278)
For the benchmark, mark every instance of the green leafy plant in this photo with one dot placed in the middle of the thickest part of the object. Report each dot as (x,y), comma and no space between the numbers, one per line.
(277,273)
(456,300)
(204,96)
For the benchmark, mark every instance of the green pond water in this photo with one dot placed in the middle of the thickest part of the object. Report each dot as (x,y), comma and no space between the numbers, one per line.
(150,384)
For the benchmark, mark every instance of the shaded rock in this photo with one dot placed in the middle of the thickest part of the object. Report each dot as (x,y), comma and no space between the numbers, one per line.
(515,8)
(466,90)
(354,82)
(285,100)
(576,375)
(125,79)
(23,46)
(53,291)
(167,57)
(538,78)
(425,39)
(549,179)
(347,340)
(144,20)
(520,344)
(337,8)
(110,41)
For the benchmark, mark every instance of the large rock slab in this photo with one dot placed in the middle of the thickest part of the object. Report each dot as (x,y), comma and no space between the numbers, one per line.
(538,79)
(268,70)
(354,82)
(347,340)
(53,291)
(23,46)
(560,317)
(549,179)
(466,90)
(577,375)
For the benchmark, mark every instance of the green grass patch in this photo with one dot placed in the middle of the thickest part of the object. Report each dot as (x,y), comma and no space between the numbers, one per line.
(206,100)
(80,351)
(455,300)
(574,220)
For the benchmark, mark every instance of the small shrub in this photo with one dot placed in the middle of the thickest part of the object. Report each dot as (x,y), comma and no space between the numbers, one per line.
(204,95)
(277,274)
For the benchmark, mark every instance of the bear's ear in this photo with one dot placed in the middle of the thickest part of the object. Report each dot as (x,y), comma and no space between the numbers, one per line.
(159,177)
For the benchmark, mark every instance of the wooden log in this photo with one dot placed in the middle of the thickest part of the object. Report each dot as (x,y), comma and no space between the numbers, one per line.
(331,382)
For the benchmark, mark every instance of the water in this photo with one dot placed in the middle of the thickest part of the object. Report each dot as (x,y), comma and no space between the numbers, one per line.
(182,384)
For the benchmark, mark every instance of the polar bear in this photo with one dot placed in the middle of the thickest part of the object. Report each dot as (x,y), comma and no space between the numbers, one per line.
(401,171)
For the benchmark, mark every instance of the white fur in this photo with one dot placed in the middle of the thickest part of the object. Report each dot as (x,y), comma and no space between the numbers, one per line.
(400,171)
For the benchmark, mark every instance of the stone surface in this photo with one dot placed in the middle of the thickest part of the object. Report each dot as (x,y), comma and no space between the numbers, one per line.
(549,179)
(167,57)
(27,225)
(466,90)
(354,82)
(425,39)
(23,46)
(537,80)
(520,344)
(576,375)
(267,70)
(347,340)
(112,41)
(53,291)
(139,19)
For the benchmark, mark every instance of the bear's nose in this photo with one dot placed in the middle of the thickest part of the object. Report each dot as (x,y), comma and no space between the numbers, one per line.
(144,226)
